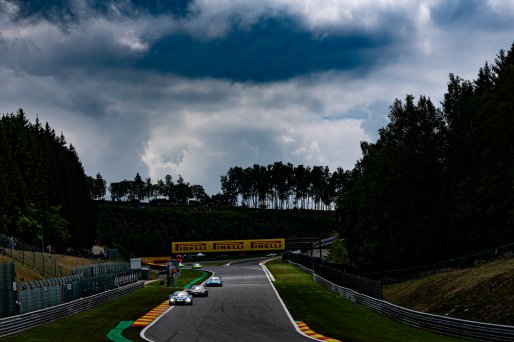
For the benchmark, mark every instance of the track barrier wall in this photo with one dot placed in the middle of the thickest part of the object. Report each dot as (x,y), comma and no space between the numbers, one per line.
(7,294)
(85,281)
(18,323)
(25,297)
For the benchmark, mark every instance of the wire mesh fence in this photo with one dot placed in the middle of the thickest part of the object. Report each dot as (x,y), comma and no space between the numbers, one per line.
(357,283)
(45,263)
(370,287)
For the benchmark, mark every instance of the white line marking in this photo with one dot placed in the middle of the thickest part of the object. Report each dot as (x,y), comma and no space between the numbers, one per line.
(268,273)
(253,268)
(240,260)
(283,305)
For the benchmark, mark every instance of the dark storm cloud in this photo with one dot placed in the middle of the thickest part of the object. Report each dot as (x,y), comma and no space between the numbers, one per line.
(273,48)
(68,12)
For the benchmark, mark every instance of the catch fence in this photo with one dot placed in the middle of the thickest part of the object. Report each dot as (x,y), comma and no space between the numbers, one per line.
(45,263)
(357,283)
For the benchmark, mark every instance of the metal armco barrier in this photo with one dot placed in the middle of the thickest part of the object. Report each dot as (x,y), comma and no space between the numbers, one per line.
(16,324)
(338,274)
(441,324)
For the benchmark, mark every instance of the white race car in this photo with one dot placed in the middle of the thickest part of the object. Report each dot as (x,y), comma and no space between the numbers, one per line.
(180,297)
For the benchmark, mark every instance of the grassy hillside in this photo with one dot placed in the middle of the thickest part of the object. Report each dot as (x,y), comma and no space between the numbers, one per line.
(65,262)
(483,293)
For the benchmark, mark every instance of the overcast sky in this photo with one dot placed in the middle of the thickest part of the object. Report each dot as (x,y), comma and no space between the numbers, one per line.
(196,87)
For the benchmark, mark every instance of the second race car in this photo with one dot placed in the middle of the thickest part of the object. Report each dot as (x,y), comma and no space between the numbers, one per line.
(214,281)
(198,291)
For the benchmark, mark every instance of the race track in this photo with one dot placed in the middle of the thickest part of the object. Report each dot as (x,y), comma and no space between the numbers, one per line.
(244,309)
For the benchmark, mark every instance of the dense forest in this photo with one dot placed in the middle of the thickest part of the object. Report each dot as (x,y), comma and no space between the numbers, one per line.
(438,183)
(45,195)
(150,230)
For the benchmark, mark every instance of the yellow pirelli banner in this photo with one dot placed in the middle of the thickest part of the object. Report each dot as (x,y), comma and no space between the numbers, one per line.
(228,246)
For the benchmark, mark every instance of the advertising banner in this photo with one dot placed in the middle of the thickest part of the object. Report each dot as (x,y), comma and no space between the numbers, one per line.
(227,246)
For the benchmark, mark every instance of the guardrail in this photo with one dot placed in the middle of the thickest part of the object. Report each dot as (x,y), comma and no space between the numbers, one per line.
(16,324)
(342,275)
(441,324)
(324,242)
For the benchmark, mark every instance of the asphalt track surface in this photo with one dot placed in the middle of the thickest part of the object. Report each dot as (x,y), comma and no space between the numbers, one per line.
(245,308)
